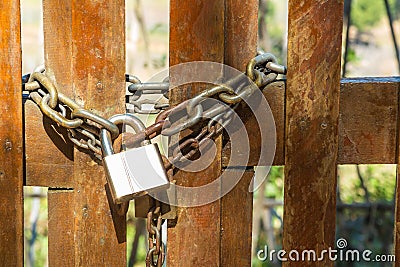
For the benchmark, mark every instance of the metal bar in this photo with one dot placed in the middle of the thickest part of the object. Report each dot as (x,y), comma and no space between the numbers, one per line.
(11,137)
(312,115)
(149,88)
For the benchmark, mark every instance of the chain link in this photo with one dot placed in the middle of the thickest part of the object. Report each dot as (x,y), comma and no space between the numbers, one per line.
(156,254)
(158,100)
(262,69)
(257,70)
(84,126)
(55,104)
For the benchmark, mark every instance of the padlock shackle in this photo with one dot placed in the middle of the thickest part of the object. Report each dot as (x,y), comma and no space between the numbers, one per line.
(128,119)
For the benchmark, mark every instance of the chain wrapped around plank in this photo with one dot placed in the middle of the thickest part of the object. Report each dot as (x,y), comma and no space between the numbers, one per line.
(262,70)
(84,125)
(54,105)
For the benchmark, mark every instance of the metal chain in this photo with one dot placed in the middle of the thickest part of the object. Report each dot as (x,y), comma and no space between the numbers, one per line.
(84,125)
(262,70)
(156,254)
(158,91)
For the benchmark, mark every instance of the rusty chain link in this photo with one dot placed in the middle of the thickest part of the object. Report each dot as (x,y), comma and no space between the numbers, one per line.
(158,100)
(262,69)
(156,254)
(54,104)
(84,125)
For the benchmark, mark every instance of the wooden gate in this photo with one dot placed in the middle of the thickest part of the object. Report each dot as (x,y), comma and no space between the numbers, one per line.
(321,122)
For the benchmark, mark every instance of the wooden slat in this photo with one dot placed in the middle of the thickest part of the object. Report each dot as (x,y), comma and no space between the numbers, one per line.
(396,232)
(241,19)
(275,96)
(98,76)
(61,227)
(196,33)
(43,168)
(312,113)
(367,122)
(53,169)
(236,223)
(11,142)
(367,126)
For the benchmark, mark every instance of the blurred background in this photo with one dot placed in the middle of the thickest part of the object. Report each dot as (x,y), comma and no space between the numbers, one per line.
(365,192)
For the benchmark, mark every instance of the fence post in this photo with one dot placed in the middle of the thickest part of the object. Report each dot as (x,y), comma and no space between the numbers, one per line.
(57,30)
(98,78)
(312,112)
(241,21)
(11,142)
(196,33)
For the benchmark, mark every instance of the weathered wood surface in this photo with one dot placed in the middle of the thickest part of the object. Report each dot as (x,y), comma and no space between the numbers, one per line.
(61,227)
(84,229)
(241,21)
(11,142)
(312,114)
(396,232)
(367,127)
(367,122)
(236,223)
(98,77)
(53,169)
(196,33)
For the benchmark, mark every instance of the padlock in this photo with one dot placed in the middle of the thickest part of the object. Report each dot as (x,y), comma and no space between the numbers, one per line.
(134,172)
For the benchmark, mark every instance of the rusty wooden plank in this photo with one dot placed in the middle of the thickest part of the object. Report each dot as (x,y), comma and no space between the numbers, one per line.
(396,232)
(43,168)
(275,95)
(312,113)
(196,33)
(98,77)
(194,237)
(60,225)
(241,20)
(367,122)
(236,223)
(53,169)
(11,142)
(240,33)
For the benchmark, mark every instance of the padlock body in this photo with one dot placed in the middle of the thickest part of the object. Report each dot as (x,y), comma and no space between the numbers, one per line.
(135,172)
